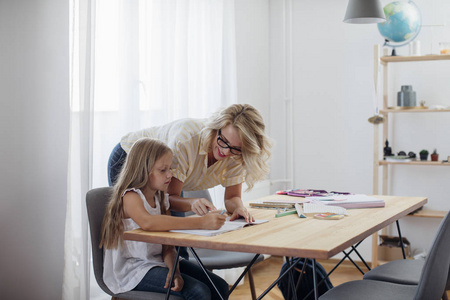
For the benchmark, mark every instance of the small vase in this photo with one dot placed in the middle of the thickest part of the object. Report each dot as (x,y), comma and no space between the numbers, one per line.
(406,97)
(423,156)
(434,157)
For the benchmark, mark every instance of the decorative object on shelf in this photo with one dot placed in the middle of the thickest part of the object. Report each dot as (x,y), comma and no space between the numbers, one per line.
(403,23)
(422,103)
(414,48)
(377,119)
(444,48)
(423,154)
(434,155)
(406,97)
(387,149)
(402,153)
(412,155)
(399,158)
(364,12)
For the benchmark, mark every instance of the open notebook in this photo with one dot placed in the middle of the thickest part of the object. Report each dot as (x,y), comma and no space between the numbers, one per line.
(228,226)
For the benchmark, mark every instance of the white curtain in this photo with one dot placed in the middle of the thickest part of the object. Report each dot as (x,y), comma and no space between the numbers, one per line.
(135,64)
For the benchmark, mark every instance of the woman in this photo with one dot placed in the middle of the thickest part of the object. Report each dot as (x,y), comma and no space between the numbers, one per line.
(228,149)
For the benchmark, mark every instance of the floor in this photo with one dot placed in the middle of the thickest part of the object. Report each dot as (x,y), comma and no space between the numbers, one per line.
(265,272)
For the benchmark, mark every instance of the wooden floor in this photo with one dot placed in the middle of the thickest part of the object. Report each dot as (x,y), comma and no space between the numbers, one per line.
(265,272)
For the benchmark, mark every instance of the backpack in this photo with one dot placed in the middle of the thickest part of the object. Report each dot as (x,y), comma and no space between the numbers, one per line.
(307,284)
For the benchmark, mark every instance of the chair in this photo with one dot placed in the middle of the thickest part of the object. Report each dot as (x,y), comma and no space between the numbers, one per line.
(431,285)
(403,271)
(96,201)
(219,260)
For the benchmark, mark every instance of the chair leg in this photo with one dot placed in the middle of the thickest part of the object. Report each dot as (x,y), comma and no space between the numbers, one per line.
(252,284)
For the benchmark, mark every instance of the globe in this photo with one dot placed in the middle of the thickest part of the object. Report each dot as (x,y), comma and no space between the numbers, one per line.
(402,25)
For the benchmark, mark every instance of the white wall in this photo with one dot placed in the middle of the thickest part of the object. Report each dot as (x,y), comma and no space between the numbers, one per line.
(34,89)
(332,82)
(252,54)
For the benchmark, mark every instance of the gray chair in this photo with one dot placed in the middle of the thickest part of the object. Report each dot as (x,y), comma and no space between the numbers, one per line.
(402,271)
(219,260)
(431,285)
(96,201)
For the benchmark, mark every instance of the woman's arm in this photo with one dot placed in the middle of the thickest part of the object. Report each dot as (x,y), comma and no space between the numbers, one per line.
(200,206)
(134,208)
(234,204)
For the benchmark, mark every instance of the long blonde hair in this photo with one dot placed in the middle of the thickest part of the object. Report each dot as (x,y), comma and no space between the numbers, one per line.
(256,144)
(134,174)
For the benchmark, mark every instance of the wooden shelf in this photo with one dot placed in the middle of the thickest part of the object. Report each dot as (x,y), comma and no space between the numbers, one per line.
(387,111)
(412,110)
(391,59)
(428,213)
(415,162)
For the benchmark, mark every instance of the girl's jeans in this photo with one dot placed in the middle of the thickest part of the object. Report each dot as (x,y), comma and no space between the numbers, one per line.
(196,284)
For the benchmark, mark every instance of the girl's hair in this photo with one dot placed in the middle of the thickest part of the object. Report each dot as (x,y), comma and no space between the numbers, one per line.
(134,174)
(256,144)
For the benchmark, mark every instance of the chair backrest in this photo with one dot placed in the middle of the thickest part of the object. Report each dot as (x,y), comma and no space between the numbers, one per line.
(197,194)
(434,277)
(96,202)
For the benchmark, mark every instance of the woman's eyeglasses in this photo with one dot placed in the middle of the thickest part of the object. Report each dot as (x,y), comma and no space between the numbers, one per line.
(223,144)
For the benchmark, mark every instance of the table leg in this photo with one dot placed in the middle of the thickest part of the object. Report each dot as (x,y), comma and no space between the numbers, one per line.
(295,261)
(401,239)
(204,270)
(244,272)
(316,293)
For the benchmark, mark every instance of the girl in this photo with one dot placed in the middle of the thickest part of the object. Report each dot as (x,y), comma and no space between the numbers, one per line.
(138,200)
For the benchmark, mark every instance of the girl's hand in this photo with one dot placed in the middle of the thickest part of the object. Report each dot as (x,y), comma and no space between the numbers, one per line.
(177,283)
(213,220)
(202,206)
(242,212)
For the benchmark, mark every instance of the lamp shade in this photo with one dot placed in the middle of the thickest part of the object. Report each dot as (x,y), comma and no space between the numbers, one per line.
(364,12)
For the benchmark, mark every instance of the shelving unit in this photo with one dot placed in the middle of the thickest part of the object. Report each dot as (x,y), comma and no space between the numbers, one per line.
(386,111)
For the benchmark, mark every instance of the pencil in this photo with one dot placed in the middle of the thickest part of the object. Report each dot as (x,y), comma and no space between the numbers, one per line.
(290,212)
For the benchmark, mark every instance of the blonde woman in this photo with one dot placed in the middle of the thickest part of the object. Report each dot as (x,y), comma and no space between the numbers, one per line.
(228,149)
(139,201)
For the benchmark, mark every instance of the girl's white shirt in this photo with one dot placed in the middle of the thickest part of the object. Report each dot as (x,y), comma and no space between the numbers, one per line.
(125,266)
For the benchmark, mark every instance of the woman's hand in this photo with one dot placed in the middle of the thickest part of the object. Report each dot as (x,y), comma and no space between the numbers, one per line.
(177,283)
(242,212)
(202,206)
(213,220)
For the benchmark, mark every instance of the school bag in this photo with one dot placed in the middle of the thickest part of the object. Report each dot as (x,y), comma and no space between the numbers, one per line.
(307,284)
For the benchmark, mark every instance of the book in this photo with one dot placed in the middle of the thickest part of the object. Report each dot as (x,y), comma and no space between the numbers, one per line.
(303,192)
(269,204)
(228,226)
(348,201)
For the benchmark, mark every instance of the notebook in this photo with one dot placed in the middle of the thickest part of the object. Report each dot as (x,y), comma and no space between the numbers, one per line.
(309,209)
(228,226)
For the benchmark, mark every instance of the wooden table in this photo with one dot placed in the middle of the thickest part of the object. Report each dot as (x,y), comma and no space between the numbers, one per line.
(293,236)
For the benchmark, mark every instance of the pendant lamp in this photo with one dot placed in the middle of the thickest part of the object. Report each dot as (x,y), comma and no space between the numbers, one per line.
(364,12)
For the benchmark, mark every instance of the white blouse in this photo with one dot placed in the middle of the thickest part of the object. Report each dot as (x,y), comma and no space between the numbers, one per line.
(125,266)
